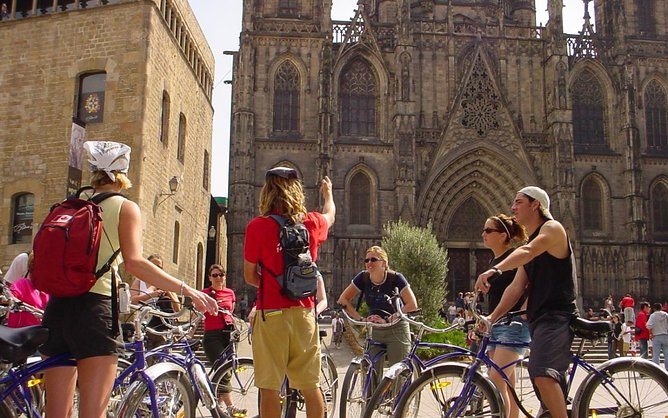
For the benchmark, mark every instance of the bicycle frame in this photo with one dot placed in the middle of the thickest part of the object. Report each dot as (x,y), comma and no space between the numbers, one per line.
(17,382)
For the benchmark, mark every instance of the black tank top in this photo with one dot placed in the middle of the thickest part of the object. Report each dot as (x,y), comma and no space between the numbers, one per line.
(499,284)
(551,283)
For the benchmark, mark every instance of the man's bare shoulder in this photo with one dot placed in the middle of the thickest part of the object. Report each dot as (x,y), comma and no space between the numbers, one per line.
(554,233)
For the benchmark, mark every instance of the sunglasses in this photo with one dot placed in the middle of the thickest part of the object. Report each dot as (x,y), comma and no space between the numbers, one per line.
(218,275)
(490,230)
(284,172)
(371,260)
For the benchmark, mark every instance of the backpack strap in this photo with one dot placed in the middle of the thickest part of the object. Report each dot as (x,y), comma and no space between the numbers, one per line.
(281,221)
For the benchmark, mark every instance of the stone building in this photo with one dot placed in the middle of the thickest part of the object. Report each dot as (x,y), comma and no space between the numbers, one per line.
(439,111)
(138,72)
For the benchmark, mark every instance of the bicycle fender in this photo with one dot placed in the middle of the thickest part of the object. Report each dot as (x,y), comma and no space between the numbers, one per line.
(395,370)
(610,364)
(357,360)
(136,390)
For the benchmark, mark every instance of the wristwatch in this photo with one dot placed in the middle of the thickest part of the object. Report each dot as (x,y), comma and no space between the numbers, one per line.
(498,270)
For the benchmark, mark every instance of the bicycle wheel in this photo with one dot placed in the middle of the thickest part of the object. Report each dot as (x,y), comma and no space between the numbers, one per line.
(173,393)
(524,388)
(443,392)
(628,388)
(384,398)
(236,379)
(119,389)
(353,397)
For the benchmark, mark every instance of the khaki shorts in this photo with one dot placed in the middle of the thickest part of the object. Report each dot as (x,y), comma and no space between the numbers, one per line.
(286,343)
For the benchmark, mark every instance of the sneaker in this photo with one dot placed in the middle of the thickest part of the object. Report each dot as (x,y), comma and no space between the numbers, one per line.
(235,412)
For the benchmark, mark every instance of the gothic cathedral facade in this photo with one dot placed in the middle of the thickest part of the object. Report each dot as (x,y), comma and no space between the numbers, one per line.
(438,111)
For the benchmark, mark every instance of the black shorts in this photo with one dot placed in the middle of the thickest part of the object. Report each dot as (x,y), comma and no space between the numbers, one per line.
(215,342)
(80,326)
(551,339)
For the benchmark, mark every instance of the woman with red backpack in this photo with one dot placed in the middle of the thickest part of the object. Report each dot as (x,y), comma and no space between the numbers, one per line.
(81,324)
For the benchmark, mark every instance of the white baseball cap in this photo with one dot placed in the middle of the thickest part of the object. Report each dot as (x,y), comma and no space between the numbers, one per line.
(541,196)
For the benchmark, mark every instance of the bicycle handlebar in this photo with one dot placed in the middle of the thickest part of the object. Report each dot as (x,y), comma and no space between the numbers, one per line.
(11,303)
(459,322)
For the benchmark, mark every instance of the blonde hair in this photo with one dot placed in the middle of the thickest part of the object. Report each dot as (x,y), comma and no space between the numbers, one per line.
(100,178)
(285,196)
(381,253)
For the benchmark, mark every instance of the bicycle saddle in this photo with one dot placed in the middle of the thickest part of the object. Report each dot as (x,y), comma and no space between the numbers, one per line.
(590,330)
(16,344)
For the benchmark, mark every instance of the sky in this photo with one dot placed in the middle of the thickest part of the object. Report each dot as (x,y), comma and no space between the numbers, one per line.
(222,25)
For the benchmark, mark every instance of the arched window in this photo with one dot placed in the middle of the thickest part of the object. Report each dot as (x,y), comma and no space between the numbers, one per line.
(359,100)
(467,221)
(286,98)
(588,113)
(360,199)
(164,118)
(23,210)
(592,206)
(656,116)
(181,146)
(206,174)
(175,249)
(659,199)
(90,105)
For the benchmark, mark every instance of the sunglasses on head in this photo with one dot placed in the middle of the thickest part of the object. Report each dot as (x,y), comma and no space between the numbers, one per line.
(217,274)
(490,230)
(371,260)
(285,172)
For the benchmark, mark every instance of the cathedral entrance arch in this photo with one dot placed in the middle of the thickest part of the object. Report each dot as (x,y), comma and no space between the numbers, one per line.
(461,193)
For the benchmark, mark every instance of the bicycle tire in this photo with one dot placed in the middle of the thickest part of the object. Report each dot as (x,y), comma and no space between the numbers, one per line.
(329,384)
(426,396)
(241,386)
(625,386)
(175,398)
(117,392)
(353,400)
(384,398)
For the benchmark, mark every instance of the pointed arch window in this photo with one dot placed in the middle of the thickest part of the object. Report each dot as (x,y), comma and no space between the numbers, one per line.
(466,222)
(360,199)
(286,98)
(659,199)
(359,100)
(200,265)
(23,211)
(588,113)
(656,117)
(592,206)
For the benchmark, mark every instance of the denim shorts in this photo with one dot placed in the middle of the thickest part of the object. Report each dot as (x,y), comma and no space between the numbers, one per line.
(515,332)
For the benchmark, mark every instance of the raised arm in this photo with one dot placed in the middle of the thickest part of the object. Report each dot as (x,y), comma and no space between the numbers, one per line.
(346,298)
(328,207)
(130,237)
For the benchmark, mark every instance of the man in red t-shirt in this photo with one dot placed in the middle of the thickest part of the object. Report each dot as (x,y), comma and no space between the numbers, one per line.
(641,324)
(285,331)
(626,305)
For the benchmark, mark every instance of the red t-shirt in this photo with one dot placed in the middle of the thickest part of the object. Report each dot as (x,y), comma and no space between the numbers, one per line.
(261,246)
(627,302)
(225,299)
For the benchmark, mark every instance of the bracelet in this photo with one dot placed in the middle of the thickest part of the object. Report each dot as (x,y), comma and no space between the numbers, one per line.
(498,270)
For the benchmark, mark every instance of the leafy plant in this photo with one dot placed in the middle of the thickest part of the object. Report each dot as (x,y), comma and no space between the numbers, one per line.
(415,252)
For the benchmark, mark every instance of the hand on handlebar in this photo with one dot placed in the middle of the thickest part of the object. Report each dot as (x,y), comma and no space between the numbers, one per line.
(482,284)
(376,319)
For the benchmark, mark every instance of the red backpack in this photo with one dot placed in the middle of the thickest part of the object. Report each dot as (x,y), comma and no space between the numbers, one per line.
(66,247)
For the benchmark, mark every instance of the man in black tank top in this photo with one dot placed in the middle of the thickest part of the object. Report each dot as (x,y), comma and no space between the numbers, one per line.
(545,272)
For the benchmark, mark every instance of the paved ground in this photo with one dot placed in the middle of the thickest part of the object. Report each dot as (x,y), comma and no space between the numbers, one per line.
(341,358)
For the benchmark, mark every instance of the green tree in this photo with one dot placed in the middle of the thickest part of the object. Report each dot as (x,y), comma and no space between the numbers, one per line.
(415,252)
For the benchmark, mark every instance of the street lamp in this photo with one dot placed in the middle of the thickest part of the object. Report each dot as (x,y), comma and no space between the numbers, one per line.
(173,187)
(212,232)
